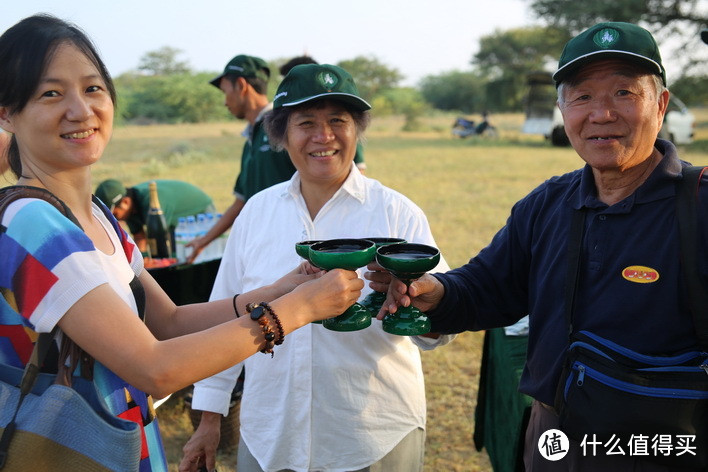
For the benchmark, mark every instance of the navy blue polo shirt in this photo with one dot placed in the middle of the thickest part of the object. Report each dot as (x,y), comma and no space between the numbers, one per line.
(630,286)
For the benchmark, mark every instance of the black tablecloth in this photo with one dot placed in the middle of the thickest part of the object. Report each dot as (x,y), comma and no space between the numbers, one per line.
(187,283)
(502,412)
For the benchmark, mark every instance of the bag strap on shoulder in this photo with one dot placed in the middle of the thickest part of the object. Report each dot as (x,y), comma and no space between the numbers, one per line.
(16,192)
(575,242)
(69,349)
(687,215)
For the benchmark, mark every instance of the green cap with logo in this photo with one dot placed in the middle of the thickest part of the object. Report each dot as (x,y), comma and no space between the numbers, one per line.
(309,82)
(610,40)
(244,66)
(110,192)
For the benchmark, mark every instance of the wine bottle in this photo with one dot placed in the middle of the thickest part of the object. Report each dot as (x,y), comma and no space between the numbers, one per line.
(158,237)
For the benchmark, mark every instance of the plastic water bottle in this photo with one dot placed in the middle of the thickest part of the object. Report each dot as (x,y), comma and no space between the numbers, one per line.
(200,230)
(181,239)
(211,249)
(189,234)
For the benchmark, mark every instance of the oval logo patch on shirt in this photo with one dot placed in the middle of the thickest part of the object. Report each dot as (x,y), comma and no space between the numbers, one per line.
(640,274)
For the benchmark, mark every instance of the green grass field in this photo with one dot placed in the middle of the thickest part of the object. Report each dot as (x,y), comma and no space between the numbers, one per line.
(465,186)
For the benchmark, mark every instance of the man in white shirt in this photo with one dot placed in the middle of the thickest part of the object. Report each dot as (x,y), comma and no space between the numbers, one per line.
(327,401)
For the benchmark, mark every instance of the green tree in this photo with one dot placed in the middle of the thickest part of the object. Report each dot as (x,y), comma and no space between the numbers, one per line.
(505,58)
(163,61)
(177,98)
(455,90)
(693,90)
(576,16)
(405,101)
(371,76)
(675,19)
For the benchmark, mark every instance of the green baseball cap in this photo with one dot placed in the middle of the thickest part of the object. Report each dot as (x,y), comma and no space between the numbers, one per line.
(244,66)
(110,192)
(308,82)
(610,40)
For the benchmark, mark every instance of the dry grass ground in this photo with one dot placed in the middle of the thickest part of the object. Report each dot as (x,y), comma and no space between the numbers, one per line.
(465,186)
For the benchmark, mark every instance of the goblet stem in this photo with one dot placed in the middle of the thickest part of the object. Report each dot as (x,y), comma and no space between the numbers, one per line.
(407,321)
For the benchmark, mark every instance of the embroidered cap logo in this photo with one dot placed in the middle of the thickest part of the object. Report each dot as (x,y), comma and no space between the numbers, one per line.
(328,80)
(606,37)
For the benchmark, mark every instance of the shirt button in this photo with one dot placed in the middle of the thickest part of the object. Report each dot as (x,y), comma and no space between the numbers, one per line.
(603,217)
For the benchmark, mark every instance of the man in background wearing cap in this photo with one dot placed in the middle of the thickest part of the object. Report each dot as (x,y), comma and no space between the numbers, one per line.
(132,204)
(244,83)
(327,400)
(611,92)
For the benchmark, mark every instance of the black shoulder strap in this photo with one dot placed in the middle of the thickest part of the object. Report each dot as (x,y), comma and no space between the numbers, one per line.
(15,192)
(687,214)
(575,243)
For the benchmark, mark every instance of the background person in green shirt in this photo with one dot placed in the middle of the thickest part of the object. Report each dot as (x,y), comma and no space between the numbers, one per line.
(131,204)
(244,84)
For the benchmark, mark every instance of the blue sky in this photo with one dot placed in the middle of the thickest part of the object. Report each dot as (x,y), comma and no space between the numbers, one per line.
(417,37)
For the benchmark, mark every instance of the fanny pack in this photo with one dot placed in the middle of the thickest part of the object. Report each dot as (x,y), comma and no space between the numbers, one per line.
(609,393)
(616,394)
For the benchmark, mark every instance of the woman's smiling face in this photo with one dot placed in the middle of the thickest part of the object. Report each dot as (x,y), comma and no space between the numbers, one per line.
(321,141)
(68,120)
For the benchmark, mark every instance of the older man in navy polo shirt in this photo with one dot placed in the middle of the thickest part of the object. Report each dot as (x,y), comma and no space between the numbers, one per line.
(612,94)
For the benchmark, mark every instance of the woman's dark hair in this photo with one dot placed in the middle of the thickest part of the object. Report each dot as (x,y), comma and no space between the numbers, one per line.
(276,121)
(25,52)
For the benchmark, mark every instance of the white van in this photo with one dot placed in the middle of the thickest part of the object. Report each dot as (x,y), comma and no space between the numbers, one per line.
(678,123)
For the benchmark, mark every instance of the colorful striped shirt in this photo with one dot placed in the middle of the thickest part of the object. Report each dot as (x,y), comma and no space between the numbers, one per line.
(48,265)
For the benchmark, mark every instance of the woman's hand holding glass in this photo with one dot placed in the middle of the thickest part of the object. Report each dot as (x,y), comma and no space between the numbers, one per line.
(328,294)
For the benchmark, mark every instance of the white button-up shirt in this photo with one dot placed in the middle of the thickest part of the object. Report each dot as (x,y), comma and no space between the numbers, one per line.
(327,401)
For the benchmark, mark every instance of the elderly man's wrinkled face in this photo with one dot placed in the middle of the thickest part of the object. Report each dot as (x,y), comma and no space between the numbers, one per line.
(321,142)
(612,114)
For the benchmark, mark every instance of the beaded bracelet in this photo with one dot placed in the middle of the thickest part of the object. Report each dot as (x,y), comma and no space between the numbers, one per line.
(234,303)
(257,312)
(281,333)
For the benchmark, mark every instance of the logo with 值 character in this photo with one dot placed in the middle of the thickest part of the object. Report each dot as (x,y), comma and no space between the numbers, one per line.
(553,445)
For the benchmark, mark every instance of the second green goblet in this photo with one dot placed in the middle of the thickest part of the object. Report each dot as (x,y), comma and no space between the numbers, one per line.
(349,254)
(407,262)
(374,300)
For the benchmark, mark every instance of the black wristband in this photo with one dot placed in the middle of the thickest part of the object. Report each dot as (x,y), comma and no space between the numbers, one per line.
(234,303)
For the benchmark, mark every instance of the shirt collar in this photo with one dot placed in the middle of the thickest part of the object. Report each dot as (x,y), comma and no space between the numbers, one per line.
(655,187)
(354,186)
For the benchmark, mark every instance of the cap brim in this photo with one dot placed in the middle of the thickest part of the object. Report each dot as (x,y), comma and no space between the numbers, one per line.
(563,72)
(216,81)
(359,103)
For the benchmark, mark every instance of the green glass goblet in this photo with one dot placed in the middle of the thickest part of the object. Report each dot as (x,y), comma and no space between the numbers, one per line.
(374,300)
(349,254)
(302,249)
(407,262)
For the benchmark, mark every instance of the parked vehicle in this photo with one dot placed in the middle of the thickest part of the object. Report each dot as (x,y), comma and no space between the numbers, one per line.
(462,127)
(544,117)
(679,123)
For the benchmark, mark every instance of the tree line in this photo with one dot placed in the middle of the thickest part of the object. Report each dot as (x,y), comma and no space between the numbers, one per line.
(165,89)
